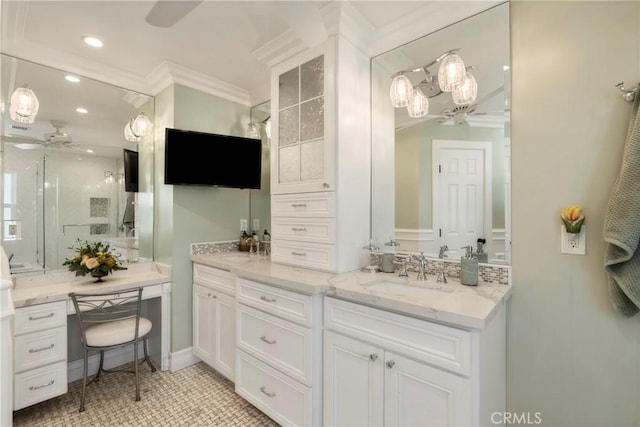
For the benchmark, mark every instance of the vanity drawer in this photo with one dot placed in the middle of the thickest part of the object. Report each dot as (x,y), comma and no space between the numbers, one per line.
(39,384)
(318,230)
(436,344)
(283,399)
(280,343)
(39,348)
(303,205)
(214,278)
(39,317)
(316,256)
(279,302)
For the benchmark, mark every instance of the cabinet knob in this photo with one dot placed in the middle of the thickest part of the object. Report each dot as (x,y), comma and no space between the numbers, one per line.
(391,364)
(373,357)
(325,185)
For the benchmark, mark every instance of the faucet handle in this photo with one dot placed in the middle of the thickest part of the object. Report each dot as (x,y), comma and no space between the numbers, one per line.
(443,251)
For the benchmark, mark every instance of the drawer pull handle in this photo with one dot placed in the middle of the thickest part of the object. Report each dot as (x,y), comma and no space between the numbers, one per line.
(42,317)
(298,205)
(263,298)
(38,387)
(263,338)
(391,364)
(264,390)
(299,253)
(298,229)
(373,357)
(36,350)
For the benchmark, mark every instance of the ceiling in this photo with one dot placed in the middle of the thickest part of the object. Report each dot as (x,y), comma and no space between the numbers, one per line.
(221,47)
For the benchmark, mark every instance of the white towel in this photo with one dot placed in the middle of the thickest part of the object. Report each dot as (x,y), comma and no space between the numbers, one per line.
(622,226)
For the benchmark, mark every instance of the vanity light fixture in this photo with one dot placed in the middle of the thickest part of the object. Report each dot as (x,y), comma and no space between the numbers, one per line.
(24,105)
(137,127)
(452,76)
(253,129)
(93,42)
(128,134)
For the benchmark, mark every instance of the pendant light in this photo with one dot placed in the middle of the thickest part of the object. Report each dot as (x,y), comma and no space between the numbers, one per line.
(24,105)
(401,90)
(467,92)
(418,105)
(141,125)
(451,73)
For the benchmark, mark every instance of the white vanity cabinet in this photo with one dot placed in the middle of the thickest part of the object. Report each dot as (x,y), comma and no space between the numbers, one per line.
(279,352)
(214,318)
(39,353)
(320,158)
(382,368)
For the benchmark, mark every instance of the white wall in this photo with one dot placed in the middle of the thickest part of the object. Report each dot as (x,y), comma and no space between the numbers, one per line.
(569,355)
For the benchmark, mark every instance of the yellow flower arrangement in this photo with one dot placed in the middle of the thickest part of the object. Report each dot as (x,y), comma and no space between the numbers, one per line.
(94,258)
(573,218)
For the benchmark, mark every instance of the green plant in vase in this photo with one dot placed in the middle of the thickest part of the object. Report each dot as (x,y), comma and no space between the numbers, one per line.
(95,259)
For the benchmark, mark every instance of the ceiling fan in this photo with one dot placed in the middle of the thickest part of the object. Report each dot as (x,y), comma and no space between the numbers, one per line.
(55,139)
(457,113)
(166,13)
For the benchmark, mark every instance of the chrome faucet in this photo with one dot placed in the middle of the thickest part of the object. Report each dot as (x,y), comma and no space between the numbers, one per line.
(403,265)
(422,261)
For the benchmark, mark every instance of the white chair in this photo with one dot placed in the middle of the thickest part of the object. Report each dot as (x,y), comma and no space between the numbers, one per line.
(111,320)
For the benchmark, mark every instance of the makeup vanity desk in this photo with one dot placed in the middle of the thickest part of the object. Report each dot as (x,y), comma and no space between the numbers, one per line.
(47,353)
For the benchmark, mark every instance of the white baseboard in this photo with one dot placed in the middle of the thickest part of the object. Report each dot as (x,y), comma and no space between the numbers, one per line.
(112,358)
(181,359)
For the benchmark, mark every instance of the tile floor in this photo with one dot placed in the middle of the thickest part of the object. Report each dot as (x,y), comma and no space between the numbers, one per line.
(194,396)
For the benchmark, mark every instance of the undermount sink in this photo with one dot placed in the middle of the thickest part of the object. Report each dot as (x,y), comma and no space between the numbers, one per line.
(398,288)
(233,257)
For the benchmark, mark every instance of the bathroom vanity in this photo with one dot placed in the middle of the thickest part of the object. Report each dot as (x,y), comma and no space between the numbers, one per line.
(315,348)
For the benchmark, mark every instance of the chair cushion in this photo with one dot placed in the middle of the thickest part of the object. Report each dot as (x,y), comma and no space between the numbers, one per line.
(117,332)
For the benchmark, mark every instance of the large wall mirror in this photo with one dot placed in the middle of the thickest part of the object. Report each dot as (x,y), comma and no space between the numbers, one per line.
(66,175)
(443,178)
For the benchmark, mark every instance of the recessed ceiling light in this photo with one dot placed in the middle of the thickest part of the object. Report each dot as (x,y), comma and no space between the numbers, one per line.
(82,110)
(92,41)
(72,79)
(89,151)
(505,68)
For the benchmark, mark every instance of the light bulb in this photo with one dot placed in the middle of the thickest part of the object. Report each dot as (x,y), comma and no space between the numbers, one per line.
(401,90)
(467,92)
(451,73)
(418,105)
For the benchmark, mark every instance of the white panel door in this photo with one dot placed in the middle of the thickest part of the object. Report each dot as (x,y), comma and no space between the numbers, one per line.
(417,394)
(461,197)
(353,382)
(224,330)
(203,312)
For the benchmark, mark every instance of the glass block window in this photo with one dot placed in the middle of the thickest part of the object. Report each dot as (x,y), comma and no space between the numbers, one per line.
(301,122)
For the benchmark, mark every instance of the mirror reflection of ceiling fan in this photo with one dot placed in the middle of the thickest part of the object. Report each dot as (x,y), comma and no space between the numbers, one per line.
(56,139)
(458,114)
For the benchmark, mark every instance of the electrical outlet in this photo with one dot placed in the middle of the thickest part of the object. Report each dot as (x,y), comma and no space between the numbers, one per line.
(573,244)
(256,224)
(243,224)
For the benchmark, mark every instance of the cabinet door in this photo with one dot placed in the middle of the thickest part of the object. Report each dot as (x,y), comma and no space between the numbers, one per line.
(418,394)
(203,320)
(302,116)
(353,382)
(224,330)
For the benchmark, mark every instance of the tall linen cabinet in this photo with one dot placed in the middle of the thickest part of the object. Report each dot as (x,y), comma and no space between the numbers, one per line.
(321,157)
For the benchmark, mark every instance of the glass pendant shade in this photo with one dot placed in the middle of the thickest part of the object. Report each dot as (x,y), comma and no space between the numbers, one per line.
(418,105)
(267,128)
(252,131)
(141,125)
(451,73)
(128,134)
(24,105)
(467,92)
(401,90)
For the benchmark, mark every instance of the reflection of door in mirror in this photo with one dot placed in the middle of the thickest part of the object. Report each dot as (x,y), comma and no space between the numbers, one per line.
(64,174)
(260,200)
(433,206)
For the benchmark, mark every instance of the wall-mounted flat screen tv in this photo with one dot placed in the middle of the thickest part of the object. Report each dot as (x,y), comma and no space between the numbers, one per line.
(130,170)
(198,158)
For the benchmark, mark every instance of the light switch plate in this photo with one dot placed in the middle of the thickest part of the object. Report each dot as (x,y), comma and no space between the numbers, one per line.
(243,224)
(256,224)
(573,245)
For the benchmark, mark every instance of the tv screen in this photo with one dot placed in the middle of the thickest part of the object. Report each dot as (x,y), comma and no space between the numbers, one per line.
(198,158)
(130,170)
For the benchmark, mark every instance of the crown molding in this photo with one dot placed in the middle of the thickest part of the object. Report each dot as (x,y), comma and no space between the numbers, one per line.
(280,48)
(342,18)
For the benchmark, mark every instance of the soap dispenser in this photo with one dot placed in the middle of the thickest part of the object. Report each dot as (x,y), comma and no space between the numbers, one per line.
(480,253)
(389,256)
(469,267)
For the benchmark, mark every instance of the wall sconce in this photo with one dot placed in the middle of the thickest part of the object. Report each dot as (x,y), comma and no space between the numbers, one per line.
(137,127)
(253,129)
(24,105)
(452,76)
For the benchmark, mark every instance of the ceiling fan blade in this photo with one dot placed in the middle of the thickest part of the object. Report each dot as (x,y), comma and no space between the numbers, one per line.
(166,13)
(490,95)
(425,122)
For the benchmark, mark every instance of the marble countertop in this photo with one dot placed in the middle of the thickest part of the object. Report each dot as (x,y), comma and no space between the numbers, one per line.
(56,285)
(452,303)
